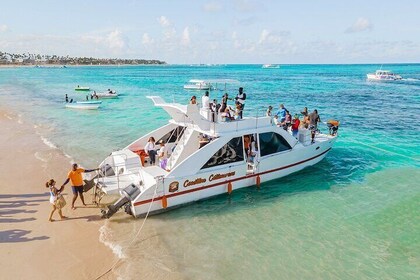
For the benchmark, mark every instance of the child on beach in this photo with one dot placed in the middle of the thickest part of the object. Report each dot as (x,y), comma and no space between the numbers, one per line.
(56,199)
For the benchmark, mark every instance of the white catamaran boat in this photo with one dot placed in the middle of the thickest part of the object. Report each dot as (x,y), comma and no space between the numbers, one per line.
(207,159)
(84,105)
(198,85)
(383,75)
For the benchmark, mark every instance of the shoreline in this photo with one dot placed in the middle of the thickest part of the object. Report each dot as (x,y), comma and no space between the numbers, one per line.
(73,245)
(77,65)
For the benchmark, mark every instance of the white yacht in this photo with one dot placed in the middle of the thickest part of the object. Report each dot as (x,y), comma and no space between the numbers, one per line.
(272,66)
(198,85)
(383,75)
(209,157)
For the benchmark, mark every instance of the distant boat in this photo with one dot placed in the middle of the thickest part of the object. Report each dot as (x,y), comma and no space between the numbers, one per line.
(198,85)
(106,94)
(79,88)
(383,75)
(84,105)
(273,66)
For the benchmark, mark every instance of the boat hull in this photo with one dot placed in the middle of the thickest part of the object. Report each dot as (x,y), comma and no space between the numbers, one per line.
(185,194)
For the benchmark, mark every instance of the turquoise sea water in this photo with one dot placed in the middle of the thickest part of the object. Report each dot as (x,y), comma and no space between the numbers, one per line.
(355,215)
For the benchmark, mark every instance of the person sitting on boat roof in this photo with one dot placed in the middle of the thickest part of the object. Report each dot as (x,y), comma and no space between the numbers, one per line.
(276,120)
(240,98)
(281,113)
(226,115)
(238,111)
(193,100)
(269,111)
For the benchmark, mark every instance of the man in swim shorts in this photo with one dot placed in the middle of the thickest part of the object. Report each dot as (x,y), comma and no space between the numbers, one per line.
(76,178)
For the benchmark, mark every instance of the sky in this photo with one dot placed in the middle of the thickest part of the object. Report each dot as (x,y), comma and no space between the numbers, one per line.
(216,31)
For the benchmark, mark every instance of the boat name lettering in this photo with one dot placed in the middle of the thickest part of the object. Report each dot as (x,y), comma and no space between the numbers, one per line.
(188,183)
(221,176)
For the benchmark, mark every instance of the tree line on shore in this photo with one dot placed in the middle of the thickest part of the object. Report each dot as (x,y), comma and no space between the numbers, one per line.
(37,59)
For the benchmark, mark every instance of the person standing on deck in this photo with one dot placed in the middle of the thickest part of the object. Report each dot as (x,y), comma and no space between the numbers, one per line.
(205,103)
(76,178)
(225,99)
(240,98)
(281,113)
(314,119)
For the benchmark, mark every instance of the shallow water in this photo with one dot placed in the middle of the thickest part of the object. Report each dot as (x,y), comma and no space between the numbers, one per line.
(355,215)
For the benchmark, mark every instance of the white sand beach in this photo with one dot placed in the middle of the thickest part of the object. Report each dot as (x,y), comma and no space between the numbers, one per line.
(31,246)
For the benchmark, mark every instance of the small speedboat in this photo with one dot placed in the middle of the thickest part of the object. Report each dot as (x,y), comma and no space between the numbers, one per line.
(383,75)
(106,94)
(79,88)
(84,105)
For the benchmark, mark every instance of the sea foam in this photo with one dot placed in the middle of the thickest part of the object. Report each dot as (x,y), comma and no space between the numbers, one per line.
(104,236)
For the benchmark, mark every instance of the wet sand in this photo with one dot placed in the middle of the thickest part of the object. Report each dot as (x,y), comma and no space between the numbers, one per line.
(31,246)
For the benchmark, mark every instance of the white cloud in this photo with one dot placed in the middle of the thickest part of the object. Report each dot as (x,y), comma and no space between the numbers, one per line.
(185,40)
(247,5)
(4,28)
(114,42)
(212,7)
(361,24)
(164,21)
(117,41)
(263,36)
(147,40)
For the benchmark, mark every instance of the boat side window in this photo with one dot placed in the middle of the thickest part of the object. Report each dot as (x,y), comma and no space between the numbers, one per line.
(172,135)
(271,143)
(231,152)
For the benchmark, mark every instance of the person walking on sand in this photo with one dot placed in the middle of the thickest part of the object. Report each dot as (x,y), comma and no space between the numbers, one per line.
(56,200)
(76,178)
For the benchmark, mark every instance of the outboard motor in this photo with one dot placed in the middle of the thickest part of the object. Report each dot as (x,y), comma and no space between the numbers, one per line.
(128,194)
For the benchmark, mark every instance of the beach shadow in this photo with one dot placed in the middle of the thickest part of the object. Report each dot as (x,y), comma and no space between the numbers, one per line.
(29,195)
(6,213)
(18,235)
(16,204)
(88,218)
(16,220)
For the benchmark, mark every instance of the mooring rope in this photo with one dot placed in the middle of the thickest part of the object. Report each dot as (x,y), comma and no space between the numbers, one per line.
(134,238)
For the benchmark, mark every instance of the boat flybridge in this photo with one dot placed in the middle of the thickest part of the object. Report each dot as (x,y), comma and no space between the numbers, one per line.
(209,157)
(383,75)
